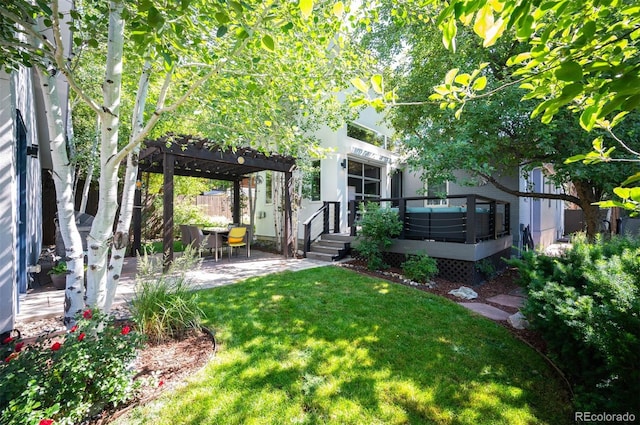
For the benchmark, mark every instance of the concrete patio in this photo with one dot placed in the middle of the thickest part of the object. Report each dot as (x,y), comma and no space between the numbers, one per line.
(47,302)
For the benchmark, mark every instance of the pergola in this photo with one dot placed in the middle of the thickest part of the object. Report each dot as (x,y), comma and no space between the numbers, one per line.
(192,156)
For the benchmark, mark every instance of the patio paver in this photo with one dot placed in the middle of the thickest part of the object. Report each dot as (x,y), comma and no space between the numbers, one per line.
(42,303)
(487,311)
(507,300)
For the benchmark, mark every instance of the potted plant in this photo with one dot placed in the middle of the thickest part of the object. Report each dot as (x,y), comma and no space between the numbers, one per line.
(58,275)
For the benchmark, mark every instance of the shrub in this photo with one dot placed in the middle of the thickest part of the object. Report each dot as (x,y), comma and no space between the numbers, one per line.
(486,268)
(420,268)
(378,227)
(68,378)
(586,304)
(164,305)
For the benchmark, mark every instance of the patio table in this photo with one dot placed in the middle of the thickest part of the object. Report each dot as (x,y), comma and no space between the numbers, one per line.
(218,233)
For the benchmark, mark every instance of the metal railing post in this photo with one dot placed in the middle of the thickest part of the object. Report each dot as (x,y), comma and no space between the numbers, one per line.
(493,228)
(471,219)
(402,212)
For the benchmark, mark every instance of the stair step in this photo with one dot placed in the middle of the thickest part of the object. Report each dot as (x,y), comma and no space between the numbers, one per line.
(330,244)
(326,249)
(342,237)
(320,256)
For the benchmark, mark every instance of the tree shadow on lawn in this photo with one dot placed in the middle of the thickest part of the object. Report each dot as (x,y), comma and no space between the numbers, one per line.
(332,346)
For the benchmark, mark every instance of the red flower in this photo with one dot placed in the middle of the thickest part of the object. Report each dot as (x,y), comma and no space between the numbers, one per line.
(74,328)
(18,347)
(46,422)
(11,357)
(7,340)
(87,314)
(125,330)
(56,346)
(161,383)
(81,336)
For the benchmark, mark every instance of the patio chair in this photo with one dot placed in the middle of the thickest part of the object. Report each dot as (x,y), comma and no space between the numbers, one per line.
(202,241)
(185,235)
(237,237)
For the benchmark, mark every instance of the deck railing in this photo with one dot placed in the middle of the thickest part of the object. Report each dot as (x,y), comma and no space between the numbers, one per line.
(464,218)
(320,223)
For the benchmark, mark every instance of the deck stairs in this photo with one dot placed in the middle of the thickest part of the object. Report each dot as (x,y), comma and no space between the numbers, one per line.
(331,247)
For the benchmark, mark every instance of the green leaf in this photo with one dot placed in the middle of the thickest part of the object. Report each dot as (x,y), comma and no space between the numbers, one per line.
(306,8)
(525,29)
(338,9)
(589,116)
(494,32)
(237,7)
(597,144)
(93,43)
(575,158)
(571,91)
(241,33)
(449,31)
(514,60)
(463,79)
(268,43)
(359,102)
(609,204)
(451,75)
(622,192)
(154,18)
(635,194)
(360,85)
(222,30)
(484,21)
(222,18)
(569,71)
(480,83)
(376,83)
(631,180)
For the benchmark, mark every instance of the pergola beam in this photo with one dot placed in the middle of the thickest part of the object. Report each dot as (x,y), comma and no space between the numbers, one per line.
(189,156)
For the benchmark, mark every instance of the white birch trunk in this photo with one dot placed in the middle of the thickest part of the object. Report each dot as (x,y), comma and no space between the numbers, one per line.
(101,234)
(63,179)
(296,205)
(252,202)
(121,237)
(277,179)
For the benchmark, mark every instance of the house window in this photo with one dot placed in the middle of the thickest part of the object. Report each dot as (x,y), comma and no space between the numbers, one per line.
(364,134)
(311,181)
(365,178)
(268,184)
(437,190)
(315,181)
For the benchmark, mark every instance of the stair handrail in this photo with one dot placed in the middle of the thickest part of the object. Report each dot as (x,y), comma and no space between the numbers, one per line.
(324,212)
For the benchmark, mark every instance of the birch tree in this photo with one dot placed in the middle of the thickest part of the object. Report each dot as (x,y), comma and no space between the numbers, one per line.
(192,57)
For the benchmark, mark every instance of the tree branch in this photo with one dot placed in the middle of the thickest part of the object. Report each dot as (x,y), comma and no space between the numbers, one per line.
(28,29)
(623,144)
(537,195)
(61,62)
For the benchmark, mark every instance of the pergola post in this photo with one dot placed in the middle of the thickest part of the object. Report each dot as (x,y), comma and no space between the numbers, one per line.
(287,228)
(236,202)
(167,210)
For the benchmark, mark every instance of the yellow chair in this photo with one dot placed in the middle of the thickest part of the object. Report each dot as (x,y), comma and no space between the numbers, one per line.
(237,238)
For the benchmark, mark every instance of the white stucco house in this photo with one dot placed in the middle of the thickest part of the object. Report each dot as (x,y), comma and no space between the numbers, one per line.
(362,166)
(24,156)
(20,183)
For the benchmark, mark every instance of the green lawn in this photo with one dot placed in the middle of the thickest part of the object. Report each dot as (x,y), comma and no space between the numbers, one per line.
(331,346)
